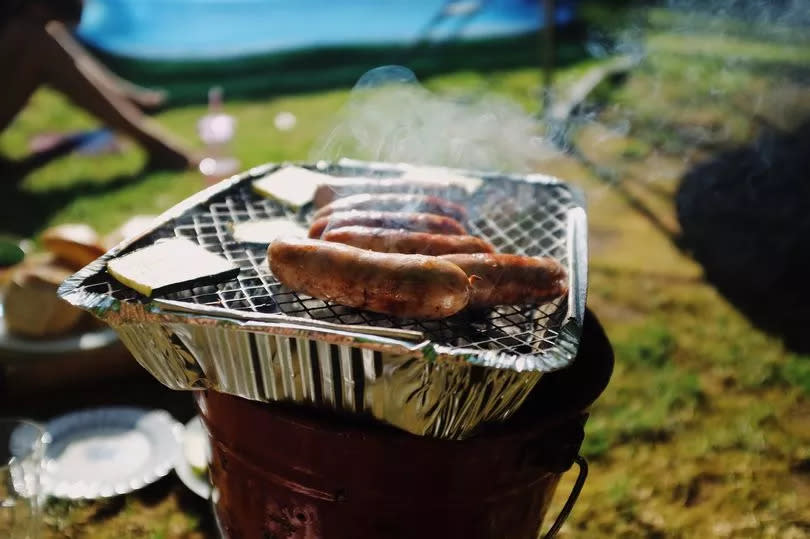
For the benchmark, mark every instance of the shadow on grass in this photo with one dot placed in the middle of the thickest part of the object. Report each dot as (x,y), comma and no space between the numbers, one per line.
(745,217)
(25,211)
(14,171)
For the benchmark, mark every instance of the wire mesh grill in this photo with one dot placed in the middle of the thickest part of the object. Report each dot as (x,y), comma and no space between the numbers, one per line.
(516,217)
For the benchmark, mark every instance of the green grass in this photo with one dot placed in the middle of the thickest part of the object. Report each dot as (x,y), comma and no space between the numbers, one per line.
(653,399)
(795,371)
(651,347)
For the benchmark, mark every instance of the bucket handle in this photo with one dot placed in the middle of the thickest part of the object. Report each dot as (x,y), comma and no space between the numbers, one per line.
(572,497)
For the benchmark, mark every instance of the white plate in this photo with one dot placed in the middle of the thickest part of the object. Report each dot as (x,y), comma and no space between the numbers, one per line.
(105,452)
(195,439)
(12,346)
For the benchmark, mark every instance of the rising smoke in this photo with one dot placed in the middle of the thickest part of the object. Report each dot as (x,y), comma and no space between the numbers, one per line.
(391,117)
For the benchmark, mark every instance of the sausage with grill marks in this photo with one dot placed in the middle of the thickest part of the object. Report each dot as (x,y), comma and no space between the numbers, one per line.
(386,240)
(395,202)
(415,222)
(402,285)
(505,279)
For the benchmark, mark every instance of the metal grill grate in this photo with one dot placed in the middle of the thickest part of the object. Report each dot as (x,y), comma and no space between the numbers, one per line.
(516,217)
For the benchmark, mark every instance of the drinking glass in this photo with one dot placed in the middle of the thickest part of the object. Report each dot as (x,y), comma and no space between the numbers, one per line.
(22,449)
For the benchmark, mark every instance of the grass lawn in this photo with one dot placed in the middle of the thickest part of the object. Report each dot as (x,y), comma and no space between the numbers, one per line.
(704,430)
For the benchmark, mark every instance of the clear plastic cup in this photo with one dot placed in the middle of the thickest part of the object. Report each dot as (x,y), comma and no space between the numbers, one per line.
(22,450)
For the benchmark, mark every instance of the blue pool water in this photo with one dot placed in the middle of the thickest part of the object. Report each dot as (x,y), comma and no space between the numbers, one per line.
(207,29)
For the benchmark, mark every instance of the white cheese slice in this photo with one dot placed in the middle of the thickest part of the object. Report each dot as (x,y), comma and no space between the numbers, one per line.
(169,263)
(292,186)
(266,230)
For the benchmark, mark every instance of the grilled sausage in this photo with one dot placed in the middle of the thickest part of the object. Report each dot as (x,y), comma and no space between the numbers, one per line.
(407,286)
(395,202)
(415,222)
(386,240)
(341,187)
(503,279)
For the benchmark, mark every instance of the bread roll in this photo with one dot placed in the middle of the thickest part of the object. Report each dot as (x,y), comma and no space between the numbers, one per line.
(75,244)
(31,306)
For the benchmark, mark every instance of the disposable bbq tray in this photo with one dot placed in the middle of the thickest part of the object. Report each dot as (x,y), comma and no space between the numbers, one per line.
(252,337)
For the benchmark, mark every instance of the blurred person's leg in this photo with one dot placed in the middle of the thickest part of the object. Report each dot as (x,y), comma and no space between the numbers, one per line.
(18,70)
(32,55)
(96,71)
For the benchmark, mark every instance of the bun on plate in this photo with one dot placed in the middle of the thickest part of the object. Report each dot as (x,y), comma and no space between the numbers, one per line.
(31,306)
(75,244)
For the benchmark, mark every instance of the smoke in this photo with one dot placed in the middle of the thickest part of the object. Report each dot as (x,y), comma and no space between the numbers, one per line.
(391,117)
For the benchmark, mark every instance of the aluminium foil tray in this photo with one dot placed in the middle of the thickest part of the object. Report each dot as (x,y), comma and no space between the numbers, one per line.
(252,337)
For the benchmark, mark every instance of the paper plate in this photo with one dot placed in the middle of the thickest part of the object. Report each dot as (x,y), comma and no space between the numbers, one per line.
(194,446)
(105,452)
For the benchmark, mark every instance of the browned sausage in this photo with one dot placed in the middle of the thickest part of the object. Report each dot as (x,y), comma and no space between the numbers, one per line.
(502,279)
(395,202)
(415,222)
(407,286)
(387,240)
(341,187)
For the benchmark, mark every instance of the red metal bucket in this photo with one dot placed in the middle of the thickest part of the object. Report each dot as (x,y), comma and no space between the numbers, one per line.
(287,472)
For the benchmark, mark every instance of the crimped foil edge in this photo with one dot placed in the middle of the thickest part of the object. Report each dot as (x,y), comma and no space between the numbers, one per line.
(430,398)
